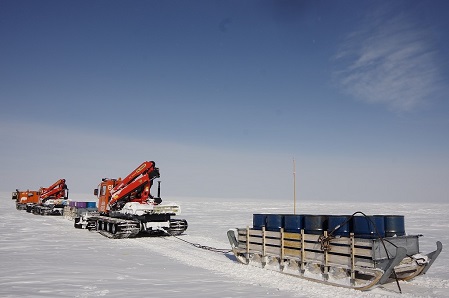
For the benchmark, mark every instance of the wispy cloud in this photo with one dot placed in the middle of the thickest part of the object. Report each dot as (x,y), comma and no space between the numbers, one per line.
(389,60)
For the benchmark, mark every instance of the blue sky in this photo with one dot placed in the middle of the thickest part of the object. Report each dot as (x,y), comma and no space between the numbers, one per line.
(223,94)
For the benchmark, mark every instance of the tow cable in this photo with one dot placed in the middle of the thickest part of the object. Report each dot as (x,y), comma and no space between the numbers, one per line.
(200,246)
(205,247)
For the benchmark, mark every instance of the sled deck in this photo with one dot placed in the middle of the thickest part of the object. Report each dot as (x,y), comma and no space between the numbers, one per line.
(349,262)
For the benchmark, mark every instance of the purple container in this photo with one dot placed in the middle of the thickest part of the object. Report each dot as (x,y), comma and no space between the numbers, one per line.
(72,203)
(81,204)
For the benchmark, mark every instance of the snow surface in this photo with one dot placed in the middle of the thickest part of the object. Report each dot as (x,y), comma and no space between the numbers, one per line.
(45,256)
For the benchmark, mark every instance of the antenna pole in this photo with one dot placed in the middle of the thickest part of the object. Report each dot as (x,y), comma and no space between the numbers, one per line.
(294,186)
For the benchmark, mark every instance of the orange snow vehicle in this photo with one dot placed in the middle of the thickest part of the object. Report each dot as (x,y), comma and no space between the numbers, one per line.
(24,198)
(52,199)
(126,207)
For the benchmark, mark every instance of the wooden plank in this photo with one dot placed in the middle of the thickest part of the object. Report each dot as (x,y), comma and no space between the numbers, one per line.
(282,244)
(346,250)
(340,249)
(255,233)
(363,242)
(247,243)
(326,258)
(314,256)
(272,234)
(312,246)
(241,238)
(292,244)
(347,241)
(352,263)
(269,241)
(295,251)
(341,241)
(255,239)
(273,250)
(337,259)
(251,232)
(292,253)
(340,260)
(303,251)
(318,257)
(255,248)
(263,241)
(293,236)
(258,240)
(310,237)
(346,261)
(363,250)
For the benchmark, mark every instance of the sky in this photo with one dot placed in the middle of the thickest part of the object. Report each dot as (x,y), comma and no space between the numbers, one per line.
(228,97)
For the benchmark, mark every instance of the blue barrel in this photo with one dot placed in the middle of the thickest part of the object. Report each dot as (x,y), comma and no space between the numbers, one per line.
(315,224)
(275,222)
(259,221)
(339,220)
(91,204)
(369,227)
(394,225)
(293,223)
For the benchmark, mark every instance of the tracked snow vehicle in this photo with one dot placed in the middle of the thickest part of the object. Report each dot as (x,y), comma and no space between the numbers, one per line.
(25,198)
(52,199)
(356,252)
(127,208)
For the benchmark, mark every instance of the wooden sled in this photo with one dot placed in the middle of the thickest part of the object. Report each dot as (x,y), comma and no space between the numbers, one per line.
(349,262)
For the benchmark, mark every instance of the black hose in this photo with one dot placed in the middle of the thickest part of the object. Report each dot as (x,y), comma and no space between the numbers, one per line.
(325,240)
(383,244)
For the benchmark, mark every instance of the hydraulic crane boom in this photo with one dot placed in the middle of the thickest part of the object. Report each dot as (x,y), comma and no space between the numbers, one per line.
(57,190)
(136,186)
(51,199)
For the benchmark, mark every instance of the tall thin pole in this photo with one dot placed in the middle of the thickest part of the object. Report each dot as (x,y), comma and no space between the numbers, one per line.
(294,186)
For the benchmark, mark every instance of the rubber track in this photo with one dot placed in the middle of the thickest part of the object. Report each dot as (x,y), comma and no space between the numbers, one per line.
(124,228)
(177,226)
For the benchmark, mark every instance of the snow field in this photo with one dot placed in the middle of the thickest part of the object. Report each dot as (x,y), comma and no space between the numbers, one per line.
(45,256)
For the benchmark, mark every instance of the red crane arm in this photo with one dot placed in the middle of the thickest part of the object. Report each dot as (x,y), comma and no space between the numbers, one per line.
(140,180)
(144,168)
(58,188)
